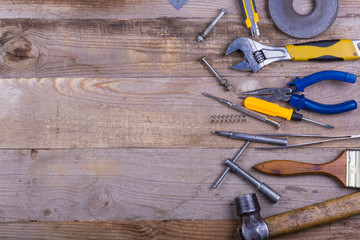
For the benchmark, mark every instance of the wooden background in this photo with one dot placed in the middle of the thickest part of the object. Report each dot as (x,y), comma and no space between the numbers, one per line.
(103,121)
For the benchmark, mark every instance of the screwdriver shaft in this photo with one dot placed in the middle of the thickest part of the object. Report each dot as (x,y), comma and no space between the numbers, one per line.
(244,110)
(319,123)
(276,110)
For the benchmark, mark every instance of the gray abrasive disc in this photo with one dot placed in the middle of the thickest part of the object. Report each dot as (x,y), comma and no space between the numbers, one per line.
(303,26)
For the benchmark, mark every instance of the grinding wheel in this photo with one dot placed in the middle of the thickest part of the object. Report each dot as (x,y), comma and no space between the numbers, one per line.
(303,26)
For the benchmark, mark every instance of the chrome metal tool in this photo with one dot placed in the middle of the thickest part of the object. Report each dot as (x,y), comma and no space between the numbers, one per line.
(258,55)
(202,36)
(221,80)
(300,101)
(244,110)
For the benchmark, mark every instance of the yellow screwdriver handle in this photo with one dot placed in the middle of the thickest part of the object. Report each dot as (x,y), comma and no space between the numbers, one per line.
(268,108)
(328,50)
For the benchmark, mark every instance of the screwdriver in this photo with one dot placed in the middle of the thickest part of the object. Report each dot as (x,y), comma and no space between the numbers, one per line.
(251,16)
(275,110)
(244,110)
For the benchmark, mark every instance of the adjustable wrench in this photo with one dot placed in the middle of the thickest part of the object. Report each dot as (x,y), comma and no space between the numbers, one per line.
(258,55)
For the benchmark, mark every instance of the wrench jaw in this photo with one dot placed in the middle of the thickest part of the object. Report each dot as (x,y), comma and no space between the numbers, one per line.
(244,44)
(257,55)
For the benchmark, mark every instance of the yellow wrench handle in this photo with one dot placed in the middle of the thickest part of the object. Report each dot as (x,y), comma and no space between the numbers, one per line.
(328,50)
(268,108)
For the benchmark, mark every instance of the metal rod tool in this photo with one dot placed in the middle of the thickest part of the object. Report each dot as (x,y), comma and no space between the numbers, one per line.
(253,138)
(275,110)
(244,110)
(222,81)
(202,36)
(271,194)
(237,156)
(249,138)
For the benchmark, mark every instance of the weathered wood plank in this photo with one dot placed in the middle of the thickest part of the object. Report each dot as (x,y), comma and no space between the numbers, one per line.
(146,48)
(198,229)
(155,113)
(126,74)
(113,9)
(147,184)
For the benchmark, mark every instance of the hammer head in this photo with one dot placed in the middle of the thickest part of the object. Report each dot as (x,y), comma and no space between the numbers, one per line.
(248,47)
(253,226)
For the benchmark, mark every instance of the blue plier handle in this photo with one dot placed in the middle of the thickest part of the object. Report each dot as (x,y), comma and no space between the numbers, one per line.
(301,102)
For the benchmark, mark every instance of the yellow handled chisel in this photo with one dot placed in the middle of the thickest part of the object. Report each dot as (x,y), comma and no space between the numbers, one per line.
(251,16)
(258,55)
(275,110)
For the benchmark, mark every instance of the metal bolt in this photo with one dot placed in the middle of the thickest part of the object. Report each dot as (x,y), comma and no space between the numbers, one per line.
(221,80)
(202,36)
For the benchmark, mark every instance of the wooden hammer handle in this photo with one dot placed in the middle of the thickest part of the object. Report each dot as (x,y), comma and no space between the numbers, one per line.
(314,215)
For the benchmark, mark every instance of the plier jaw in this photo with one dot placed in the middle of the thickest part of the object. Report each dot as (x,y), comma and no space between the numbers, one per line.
(300,101)
(270,94)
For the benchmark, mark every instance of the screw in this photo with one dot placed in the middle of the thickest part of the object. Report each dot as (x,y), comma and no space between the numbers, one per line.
(221,80)
(201,37)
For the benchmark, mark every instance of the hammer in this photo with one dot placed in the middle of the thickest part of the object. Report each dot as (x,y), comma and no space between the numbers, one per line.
(294,220)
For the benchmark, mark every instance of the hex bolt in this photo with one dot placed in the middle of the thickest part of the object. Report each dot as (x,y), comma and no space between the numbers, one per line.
(201,37)
(222,81)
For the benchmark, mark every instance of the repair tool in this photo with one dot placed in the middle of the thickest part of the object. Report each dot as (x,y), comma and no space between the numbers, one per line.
(202,36)
(237,156)
(308,216)
(282,141)
(248,209)
(345,168)
(253,137)
(303,26)
(248,138)
(244,110)
(268,192)
(251,16)
(222,81)
(258,55)
(330,139)
(300,101)
(275,110)
(229,118)
(178,3)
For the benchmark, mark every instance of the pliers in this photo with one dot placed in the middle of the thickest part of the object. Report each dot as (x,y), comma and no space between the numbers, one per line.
(300,101)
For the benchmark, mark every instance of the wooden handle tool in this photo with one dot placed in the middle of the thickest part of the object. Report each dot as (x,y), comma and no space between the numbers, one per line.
(314,215)
(345,168)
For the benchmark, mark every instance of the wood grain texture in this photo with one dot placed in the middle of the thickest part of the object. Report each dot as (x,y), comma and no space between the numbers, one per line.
(102,121)
(135,112)
(115,9)
(314,215)
(336,169)
(146,184)
(179,229)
